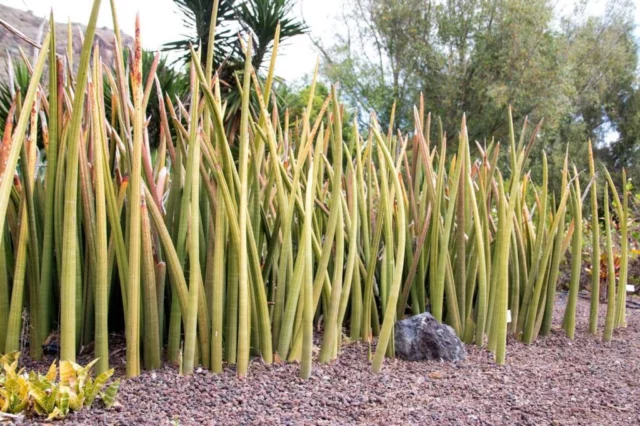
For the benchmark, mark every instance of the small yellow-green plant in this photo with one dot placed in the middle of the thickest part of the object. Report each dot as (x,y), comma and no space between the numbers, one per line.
(62,389)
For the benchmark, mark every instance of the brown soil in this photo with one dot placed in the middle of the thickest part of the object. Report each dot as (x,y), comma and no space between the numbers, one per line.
(554,381)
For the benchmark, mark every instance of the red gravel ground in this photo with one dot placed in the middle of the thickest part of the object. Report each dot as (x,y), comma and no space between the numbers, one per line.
(554,381)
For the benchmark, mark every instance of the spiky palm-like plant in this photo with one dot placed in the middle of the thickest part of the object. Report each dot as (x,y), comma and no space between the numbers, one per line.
(257,19)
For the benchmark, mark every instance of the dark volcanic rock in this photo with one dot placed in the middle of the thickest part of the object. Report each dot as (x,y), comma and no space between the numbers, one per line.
(422,337)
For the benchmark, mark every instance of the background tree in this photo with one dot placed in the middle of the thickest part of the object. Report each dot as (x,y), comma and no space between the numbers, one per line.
(294,97)
(477,57)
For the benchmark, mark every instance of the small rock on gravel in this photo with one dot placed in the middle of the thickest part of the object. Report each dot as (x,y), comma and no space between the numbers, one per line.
(423,338)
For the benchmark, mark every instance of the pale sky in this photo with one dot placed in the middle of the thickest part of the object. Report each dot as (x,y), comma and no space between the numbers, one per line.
(161,23)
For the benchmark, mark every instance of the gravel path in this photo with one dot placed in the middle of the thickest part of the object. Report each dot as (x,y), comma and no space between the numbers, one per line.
(554,381)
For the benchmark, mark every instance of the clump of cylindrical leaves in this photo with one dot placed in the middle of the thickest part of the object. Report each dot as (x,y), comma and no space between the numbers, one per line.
(222,252)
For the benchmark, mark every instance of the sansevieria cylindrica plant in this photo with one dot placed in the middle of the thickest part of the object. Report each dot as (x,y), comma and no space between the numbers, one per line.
(224,242)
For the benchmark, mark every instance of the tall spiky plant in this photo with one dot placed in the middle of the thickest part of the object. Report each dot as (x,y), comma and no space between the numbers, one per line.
(243,283)
(134,216)
(611,273)
(253,251)
(70,248)
(595,247)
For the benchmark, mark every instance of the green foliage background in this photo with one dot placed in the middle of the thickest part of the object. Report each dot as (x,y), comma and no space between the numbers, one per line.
(578,72)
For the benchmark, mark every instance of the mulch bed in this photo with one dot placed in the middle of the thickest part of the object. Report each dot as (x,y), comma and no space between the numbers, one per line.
(553,381)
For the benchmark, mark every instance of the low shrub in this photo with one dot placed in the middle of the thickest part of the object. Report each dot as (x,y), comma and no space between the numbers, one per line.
(66,388)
